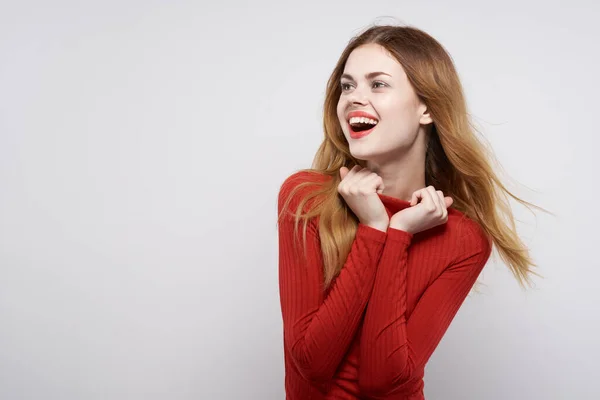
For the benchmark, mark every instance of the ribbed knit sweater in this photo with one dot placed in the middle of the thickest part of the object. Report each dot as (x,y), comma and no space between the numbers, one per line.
(370,334)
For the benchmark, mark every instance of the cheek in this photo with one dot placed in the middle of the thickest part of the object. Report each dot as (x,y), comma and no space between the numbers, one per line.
(340,115)
(397,111)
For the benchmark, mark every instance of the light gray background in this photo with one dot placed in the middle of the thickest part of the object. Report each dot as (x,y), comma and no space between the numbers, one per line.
(142,145)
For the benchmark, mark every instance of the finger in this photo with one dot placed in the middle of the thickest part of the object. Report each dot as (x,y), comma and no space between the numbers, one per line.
(416,196)
(343,172)
(445,200)
(349,174)
(449,201)
(434,197)
(380,185)
(359,175)
(424,196)
(373,180)
(440,196)
(353,172)
(414,199)
(353,179)
(428,200)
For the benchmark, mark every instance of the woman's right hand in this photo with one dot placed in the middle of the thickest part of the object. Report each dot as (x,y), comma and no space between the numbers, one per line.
(359,188)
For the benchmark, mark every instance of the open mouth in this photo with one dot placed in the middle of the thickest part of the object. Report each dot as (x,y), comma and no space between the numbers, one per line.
(360,126)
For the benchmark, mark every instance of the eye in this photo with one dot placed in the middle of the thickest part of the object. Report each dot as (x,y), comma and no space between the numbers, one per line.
(376,85)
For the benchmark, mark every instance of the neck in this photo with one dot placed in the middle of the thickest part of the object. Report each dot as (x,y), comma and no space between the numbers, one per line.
(402,175)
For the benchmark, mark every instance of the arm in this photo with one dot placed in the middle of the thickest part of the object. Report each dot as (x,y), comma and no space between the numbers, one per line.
(392,348)
(318,330)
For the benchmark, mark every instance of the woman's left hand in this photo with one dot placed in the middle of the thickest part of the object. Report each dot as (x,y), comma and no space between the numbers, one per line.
(432,210)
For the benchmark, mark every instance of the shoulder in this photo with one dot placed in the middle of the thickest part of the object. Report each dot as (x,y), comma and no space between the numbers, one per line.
(299,185)
(303,178)
(470,237)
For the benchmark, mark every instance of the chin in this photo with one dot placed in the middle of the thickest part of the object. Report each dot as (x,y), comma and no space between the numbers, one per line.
(362,153)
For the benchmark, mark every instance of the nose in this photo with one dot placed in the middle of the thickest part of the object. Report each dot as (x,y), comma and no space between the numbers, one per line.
(357,96)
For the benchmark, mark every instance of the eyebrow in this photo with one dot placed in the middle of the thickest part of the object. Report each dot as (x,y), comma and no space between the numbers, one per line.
(370,75)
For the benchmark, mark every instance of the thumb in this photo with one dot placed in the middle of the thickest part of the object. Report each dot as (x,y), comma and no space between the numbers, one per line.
(343,172)
(414,199)
(448,200)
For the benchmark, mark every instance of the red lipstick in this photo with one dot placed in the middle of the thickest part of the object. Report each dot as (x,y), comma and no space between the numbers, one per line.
(360,114)
(358,135)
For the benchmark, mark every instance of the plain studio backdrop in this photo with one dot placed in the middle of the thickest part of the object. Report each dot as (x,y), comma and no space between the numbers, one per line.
(142,147)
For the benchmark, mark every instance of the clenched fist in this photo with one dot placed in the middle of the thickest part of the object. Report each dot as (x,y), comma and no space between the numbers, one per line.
(432,210)
(359,188)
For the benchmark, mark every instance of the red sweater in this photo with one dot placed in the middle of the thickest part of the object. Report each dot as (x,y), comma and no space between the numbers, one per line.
(369,335)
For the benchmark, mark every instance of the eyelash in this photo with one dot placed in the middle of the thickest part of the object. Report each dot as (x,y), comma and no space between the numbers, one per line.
(343,85)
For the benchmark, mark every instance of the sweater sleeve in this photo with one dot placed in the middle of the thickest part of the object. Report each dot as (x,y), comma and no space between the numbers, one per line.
(319,328)
(393,348)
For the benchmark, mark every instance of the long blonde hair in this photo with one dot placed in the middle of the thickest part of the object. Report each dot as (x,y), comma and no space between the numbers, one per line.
(456,162)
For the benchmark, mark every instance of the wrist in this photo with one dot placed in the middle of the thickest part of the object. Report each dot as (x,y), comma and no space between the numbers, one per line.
(399,226)
(379,225)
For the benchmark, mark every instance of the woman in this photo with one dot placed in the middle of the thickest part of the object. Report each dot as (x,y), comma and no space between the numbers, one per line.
(400,211)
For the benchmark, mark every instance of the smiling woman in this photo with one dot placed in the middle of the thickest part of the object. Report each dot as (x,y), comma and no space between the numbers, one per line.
(401,210)
(384,95)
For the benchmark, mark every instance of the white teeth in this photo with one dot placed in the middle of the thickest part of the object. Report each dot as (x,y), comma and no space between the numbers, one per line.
(362,120)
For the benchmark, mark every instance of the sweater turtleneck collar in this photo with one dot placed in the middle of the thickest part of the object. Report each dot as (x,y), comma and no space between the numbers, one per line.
(393,204)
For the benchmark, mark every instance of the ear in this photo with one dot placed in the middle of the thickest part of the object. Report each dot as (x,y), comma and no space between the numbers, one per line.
(425,116)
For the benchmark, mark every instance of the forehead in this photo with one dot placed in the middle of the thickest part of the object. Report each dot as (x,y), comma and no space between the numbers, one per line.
(372,57)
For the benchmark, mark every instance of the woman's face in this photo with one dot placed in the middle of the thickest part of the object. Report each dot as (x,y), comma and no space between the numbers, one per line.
(375,83)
